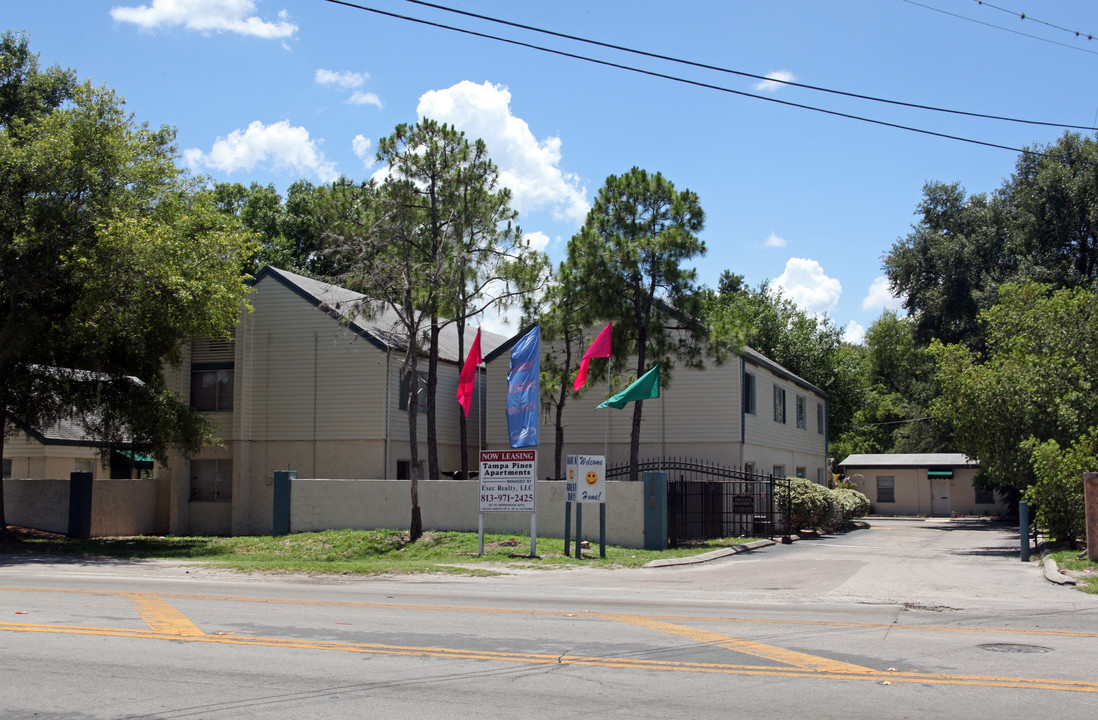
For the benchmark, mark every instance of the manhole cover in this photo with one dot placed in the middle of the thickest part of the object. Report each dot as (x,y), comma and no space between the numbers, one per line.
(1014,648)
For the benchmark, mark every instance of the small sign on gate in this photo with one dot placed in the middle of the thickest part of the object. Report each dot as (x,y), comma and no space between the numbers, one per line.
(743,505)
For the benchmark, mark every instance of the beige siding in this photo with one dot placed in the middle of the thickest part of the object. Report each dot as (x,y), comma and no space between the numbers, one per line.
(696,416)
(31,459)
(769,443)
(300,376)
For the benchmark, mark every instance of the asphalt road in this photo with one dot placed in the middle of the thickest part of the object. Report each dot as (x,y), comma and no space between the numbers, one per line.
(906,619)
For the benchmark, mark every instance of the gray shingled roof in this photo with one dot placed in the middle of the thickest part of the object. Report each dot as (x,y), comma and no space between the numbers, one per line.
(378,322)
(902,460)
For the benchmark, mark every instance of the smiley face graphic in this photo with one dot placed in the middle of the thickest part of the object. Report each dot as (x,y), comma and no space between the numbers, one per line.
(592,478)
(571,473)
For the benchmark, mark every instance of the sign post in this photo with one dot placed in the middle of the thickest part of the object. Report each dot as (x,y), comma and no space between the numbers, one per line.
(508,483)
(587,484)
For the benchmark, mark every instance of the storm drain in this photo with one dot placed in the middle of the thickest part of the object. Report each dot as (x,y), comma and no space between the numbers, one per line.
(1014,648)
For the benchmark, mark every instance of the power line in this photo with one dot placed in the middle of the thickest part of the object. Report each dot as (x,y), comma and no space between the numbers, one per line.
(1000,27)
(696,83)
(1024,16)
(741,73)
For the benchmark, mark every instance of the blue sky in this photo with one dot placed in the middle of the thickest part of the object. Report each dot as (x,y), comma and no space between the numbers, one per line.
(278,90)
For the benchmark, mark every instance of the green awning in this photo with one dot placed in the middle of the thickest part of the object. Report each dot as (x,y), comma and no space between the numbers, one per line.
(940,473)
(136,456)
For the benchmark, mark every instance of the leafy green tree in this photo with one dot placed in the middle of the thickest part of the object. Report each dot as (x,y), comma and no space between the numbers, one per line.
(629,260)
(899,383)
(110,261)
(1040,225)
(1036,379)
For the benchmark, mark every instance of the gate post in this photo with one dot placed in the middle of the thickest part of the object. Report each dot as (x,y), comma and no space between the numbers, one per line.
(281,516)
(655,511)
(80,505)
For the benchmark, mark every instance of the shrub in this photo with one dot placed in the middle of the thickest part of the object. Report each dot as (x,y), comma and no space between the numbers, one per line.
(812,504)
(851,505)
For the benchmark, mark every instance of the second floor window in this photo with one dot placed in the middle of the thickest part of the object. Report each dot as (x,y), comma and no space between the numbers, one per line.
(212,388)
(779,404)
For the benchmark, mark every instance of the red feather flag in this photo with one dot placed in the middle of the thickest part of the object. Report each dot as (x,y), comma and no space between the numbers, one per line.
(467,378)
(600,348)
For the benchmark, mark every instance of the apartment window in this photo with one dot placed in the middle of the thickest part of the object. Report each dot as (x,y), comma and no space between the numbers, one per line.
(749,393)
(779,404)
(749,468)
(819,476)
(212,388)
(802,473)
(7,468)
(212,480)
(886,489)
(820,418)
(779,471)
(802,412)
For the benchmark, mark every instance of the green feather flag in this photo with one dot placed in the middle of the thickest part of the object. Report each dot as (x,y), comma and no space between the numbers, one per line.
(646,387)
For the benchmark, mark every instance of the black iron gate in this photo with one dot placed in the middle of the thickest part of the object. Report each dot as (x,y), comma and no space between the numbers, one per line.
(707,501)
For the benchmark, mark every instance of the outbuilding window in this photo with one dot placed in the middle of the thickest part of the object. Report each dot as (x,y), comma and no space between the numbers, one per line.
(886,489)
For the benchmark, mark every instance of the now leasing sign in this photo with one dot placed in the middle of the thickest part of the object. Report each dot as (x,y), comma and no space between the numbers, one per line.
(586,479)
(508,480)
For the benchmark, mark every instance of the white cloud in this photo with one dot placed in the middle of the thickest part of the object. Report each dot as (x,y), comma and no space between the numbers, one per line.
(854,333)
(360,97)
(236,16)
(538,240)
(279,146)
(361,145)
(528,167)
(805,283)
(345,79)
(881,298)
(774,241)
(770,85)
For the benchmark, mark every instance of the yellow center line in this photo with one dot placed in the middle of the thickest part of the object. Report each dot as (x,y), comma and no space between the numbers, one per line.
(748,647)
(575,613)
(162,617)
(549,659)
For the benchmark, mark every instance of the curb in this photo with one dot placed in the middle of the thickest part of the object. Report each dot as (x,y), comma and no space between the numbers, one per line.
(712,555)
(1053,572)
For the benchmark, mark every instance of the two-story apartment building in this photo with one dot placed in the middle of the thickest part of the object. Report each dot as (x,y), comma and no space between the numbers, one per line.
(748,412)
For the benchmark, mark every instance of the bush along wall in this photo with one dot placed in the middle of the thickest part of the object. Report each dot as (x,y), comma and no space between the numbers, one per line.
(815,507)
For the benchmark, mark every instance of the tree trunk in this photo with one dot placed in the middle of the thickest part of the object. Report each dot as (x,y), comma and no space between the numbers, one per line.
(433,471)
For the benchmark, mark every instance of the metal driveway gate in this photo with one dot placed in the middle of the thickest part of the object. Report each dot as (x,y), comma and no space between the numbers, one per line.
(707,501)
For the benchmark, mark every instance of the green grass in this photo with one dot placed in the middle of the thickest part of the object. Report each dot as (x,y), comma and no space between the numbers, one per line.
(1070,560)
(367,552)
